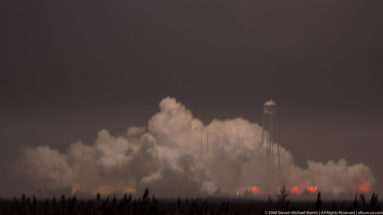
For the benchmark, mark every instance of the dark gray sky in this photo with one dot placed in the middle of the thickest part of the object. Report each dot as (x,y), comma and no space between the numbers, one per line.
(70,68)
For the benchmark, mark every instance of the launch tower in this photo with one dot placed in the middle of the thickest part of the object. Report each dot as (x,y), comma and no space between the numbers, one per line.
(270,142)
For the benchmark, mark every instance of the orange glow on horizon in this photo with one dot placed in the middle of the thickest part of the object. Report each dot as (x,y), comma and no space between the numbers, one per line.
(75,188)
(295,190)
(129,190)
(254,190)
(364,188)
(312,189)
(104,190)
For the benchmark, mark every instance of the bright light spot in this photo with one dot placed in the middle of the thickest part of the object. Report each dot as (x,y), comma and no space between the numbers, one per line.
(364,187)
(295,190)
(254,190)
(312,189)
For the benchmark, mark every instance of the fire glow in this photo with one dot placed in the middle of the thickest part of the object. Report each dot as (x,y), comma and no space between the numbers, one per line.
(254,190)
(75,188)
(104,190)
(295,190)
(312,189)
(364,188)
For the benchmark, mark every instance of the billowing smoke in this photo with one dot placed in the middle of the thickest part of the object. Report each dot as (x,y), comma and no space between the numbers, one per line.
(167,157)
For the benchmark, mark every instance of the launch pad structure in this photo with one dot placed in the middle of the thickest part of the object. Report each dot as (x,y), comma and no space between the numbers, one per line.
(270,142)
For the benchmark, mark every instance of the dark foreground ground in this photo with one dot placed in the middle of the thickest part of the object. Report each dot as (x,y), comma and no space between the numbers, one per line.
(151,205)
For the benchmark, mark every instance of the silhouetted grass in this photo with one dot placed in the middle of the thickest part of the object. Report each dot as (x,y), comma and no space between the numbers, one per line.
(179,206)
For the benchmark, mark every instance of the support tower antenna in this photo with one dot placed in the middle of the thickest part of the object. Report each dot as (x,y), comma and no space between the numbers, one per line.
(270,142)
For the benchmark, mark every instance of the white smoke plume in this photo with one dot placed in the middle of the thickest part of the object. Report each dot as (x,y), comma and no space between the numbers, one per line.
(166,157)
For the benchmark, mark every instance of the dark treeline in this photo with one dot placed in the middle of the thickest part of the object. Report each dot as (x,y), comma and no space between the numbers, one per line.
(147,204)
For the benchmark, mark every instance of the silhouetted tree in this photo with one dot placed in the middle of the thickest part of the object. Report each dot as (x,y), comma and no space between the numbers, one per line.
(363,201)
(374,201)
(355,203)
(282,197)
(319,202)
(146,194)
(130,198)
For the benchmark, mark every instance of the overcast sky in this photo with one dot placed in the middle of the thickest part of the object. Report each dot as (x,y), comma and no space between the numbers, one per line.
(70,68)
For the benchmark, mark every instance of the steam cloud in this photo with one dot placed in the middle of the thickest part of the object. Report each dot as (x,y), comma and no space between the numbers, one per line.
(166,157)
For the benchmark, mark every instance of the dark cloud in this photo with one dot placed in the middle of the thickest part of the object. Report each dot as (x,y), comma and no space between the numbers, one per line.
(71,68)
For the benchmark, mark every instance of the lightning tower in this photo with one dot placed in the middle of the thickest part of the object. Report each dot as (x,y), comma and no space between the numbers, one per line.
(238,137)
(270,142)
(201,130)
(207,139)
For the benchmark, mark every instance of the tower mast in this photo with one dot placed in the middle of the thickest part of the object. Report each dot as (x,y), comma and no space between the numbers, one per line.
(270,142)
